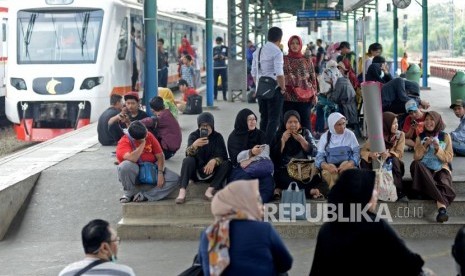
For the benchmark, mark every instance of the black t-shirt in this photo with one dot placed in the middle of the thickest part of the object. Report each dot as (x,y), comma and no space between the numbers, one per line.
(220,51)
(320,55)
(104,136)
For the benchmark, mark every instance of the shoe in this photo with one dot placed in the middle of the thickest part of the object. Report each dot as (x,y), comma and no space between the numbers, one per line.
(139,198)
(401,197)
(125,199)
(277,195)
(442,215)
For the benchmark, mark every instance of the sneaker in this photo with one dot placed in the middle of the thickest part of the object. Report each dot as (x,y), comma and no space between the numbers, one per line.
(442,215)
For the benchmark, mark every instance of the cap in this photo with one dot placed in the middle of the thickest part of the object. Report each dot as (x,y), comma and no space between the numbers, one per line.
(342,66)
(411,105)
(183,82)
(458,102)
(131,95)
(343,44)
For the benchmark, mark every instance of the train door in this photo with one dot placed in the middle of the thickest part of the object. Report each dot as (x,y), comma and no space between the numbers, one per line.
(136,48)
(3,58)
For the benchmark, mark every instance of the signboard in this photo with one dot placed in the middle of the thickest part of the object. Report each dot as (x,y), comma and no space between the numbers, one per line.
(309,15)
(302,23)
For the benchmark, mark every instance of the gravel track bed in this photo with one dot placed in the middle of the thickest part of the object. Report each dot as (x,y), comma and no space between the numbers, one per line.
(8,142)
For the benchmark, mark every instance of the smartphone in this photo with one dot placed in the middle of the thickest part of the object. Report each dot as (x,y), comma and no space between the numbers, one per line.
(203,132)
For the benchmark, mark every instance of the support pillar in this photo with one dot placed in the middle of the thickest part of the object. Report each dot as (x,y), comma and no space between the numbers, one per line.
(396,27)
(209,51)
(151,76)
(424,13)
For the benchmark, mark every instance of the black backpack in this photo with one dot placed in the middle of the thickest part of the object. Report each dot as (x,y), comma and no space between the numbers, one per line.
(193,105)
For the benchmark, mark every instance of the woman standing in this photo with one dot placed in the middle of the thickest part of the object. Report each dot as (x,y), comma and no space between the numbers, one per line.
(247,148)
(394,141)
(431,170)
(299,72)
(239,242)
(293,141)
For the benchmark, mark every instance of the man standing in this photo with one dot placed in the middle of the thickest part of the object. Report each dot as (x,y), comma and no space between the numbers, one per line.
(220,54)
(320,56)
(458,135)
(101,247)
(162,64)
(271,65)
(108,129)
(141,145)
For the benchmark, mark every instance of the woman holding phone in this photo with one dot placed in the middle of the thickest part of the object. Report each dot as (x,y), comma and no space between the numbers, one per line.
(206,158)
(250,156)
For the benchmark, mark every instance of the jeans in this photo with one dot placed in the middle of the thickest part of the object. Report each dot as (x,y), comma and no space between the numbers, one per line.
(459,148)
(270,115)
(223,72)
(163,77)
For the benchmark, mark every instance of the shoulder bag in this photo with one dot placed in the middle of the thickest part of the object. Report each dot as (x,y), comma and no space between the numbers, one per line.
(267,86)
(384,182)
(148,171)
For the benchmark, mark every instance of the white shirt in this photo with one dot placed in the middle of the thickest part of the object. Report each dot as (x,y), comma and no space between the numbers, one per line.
(271,60)
(103,269)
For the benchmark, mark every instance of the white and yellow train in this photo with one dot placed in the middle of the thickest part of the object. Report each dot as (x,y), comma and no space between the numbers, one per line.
(68,56)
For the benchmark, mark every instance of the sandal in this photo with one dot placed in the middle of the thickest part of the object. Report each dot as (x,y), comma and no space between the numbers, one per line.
(316,194)
(139,198)
(125,199)
(180,200)
(276,195)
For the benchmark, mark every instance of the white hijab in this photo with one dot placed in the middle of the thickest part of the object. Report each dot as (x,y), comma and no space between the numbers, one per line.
(347,138)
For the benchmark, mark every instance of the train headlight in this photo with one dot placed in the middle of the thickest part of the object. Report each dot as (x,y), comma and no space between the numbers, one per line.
(18,83)
(90,83)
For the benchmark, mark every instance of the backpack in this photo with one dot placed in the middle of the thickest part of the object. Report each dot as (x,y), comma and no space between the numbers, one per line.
(193,105)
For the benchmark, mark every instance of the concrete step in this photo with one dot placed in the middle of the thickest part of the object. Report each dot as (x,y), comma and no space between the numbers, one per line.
(200,208)
(190,228)
(197,189)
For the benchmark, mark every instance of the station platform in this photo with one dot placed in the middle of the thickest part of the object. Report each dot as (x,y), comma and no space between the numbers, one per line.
(67,181)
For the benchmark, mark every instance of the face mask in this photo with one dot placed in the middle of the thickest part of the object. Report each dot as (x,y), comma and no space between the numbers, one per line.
(382,74)
(113,257)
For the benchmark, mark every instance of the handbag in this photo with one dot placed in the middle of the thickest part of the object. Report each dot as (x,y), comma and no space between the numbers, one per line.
(384,182)
(148,171)
(267,86)
(293,198)
(194,270)
(260,168)
(337,155)
(304,95)
(301,169)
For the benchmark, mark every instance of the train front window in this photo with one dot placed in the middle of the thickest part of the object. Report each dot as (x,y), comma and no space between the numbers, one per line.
(53,36)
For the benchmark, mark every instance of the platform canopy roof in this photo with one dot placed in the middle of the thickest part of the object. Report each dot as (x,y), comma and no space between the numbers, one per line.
(292,6)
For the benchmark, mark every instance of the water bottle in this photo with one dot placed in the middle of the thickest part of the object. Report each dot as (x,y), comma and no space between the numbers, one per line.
(388,164)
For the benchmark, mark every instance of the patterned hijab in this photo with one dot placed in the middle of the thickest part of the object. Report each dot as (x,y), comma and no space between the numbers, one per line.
(440,125)
(291,53)
(389,138)
(238,200)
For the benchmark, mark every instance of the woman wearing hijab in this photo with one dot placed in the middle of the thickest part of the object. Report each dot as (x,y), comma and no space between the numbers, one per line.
(378,71)
(367,246)
(168,99)
(239,242)
(299,72)
(338,149)
(325,106)
(293,141)
(247,145)
(431,169)
(206,158)
(394,141)
(184,49)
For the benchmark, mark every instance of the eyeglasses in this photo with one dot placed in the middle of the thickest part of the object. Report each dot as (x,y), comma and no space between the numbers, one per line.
(117,240)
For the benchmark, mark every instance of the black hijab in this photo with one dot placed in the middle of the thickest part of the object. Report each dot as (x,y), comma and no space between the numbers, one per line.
(353,186)
(241,138)
(374,73)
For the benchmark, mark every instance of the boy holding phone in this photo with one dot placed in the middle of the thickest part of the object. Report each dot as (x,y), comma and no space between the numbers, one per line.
(413,124)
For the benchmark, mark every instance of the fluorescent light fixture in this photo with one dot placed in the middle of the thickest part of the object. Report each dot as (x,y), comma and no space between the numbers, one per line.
(59,2)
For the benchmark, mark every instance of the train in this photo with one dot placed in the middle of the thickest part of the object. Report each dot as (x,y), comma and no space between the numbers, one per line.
(3,57)
(69,56)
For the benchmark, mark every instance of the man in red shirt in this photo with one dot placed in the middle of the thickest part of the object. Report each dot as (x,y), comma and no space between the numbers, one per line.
(144,148)
(186,92)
